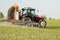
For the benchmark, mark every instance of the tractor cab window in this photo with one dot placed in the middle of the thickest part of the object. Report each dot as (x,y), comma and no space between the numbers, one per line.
(32,12)
(24,11)
(28,11)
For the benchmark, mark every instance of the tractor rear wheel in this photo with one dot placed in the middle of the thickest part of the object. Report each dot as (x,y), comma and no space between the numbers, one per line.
(42,23)
(26,19)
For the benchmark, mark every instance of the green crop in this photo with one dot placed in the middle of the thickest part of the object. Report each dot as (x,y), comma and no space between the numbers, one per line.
(51,32)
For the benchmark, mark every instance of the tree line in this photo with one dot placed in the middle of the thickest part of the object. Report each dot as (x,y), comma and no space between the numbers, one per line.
(1,15)
(44,16)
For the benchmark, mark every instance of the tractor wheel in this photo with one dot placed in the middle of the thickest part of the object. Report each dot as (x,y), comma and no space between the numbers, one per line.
(42,23)
(26,19)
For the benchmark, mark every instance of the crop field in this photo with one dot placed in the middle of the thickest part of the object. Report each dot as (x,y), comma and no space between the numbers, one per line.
(51,32)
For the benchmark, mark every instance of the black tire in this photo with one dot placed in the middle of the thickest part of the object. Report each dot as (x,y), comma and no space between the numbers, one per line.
(26,19)
(42,24)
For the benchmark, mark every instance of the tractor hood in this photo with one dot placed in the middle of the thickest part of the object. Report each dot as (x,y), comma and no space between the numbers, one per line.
(38,18)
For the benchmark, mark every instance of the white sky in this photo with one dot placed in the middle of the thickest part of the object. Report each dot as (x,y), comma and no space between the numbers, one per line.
(50,8)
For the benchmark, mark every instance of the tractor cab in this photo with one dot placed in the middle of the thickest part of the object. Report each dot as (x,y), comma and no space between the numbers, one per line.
(29,11)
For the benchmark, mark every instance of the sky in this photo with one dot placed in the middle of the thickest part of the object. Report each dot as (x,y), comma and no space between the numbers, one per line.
(50,8)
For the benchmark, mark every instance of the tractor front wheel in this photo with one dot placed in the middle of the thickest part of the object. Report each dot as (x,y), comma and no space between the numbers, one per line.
(42,23)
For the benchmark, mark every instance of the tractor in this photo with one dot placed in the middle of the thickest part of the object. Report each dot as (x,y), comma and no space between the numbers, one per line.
(29,15)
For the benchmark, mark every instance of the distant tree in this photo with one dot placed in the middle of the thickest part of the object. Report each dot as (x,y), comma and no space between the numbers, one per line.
(53,18)
(58,18)
(50,18)
(1,15)
(44,16)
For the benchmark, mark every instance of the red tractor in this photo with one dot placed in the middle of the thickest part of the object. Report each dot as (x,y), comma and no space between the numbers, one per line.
(28,14)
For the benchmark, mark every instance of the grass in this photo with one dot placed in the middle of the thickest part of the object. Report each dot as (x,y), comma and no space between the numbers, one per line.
(51,32)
